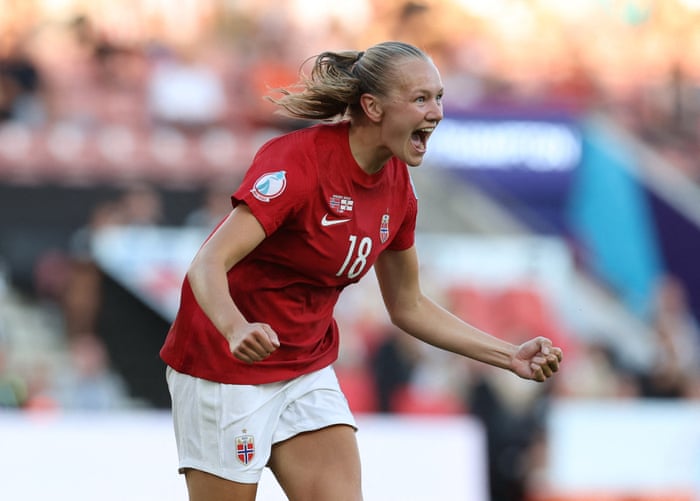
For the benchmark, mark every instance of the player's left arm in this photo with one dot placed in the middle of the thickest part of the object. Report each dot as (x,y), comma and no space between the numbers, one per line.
(418,315)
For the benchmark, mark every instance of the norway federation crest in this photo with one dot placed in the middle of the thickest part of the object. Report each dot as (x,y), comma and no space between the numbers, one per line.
(269,186)
(245,448)
(384,229)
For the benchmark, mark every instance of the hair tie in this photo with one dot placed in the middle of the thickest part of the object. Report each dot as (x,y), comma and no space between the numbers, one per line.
(357,61)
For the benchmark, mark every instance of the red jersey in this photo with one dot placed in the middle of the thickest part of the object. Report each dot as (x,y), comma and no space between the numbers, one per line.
(326,221)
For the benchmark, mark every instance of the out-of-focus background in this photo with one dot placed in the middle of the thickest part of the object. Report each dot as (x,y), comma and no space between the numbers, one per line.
(560,196)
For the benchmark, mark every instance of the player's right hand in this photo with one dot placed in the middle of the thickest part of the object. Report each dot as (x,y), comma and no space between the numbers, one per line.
(253,342)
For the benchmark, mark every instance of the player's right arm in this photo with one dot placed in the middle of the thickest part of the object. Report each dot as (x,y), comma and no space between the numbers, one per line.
(233,240)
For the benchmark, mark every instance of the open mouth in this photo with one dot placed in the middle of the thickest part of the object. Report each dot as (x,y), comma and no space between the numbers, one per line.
(419,138)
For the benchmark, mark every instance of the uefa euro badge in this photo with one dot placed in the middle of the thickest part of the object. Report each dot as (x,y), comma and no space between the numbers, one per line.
(245,448)
(384,229)
(269,186)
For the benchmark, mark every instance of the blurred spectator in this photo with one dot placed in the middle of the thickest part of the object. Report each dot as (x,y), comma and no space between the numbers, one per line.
(185,93)
(596,371)
(676,366)
(82,294)
(513,413)
(90,384)
(40,387)
(392,365)
(21,97)
(101,49)
(216,204)
(120,73)
(106,213)
(51,274)
(266,68)
(13,388)
(141,205)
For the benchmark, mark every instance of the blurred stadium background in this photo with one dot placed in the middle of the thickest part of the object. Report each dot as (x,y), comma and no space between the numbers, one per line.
(560,196)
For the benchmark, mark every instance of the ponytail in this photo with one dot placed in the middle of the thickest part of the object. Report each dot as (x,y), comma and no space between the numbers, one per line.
(338,79)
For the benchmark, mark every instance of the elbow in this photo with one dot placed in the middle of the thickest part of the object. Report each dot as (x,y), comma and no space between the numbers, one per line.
(401,317)
(201,266)
(395,320)
(195,266)
(412,315)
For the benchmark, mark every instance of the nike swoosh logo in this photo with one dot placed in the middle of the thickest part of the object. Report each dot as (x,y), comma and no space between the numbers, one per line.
(330,222)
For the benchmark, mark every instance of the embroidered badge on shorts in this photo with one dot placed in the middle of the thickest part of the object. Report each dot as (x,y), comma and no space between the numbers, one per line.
(245,447)
(269,186)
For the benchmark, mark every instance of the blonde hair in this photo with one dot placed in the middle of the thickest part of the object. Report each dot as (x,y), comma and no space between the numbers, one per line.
(338,79)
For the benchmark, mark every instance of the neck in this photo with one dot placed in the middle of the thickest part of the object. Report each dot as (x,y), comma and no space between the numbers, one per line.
(367,149)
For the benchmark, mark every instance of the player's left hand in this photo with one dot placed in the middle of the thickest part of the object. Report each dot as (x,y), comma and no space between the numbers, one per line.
(537,359)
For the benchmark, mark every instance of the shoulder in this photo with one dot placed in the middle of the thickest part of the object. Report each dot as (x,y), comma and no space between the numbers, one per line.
(302,142)
(302,152)
(289,159)
(289,163)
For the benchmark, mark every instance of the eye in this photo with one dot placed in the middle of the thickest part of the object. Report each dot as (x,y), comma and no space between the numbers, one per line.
(438,98)
(420,99)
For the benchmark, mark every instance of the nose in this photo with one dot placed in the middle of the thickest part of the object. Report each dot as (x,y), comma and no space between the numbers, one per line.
(436,112)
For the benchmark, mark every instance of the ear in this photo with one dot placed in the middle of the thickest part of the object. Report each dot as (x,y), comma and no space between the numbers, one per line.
(372,107)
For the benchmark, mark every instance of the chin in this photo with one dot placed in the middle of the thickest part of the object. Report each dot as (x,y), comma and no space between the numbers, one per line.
(414,161)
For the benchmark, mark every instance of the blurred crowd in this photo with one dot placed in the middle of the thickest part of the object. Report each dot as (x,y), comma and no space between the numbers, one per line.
(111,90)
(147,94)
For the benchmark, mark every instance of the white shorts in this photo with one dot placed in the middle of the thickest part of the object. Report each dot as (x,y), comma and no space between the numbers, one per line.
(228,430)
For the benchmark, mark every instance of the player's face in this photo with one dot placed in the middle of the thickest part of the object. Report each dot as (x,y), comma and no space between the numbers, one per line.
(412,110)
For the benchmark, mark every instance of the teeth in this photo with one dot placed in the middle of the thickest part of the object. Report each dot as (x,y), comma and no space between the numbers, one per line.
(427,129)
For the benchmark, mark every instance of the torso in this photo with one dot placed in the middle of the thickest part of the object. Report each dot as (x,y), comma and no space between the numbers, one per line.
(326,221)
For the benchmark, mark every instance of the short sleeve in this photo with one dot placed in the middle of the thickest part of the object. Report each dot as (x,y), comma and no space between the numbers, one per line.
(278,182)
(406,236)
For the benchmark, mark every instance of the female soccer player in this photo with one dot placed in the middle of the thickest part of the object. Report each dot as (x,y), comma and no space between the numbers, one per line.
(249,354)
